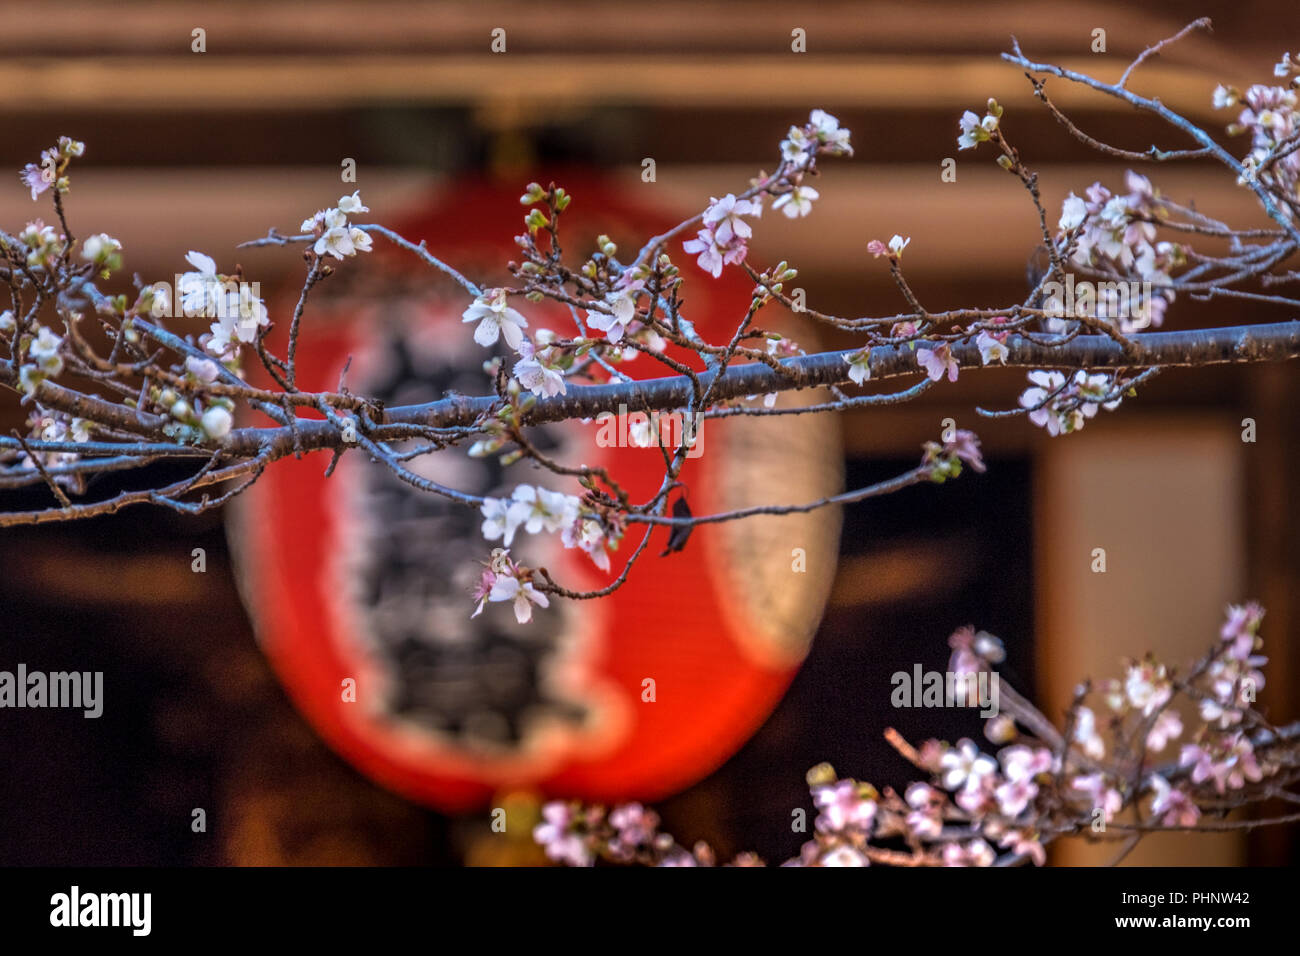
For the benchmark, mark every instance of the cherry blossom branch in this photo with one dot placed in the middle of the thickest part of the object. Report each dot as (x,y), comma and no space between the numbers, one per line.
(1044,784)
(1266,198)
(170,397)
(1236,344)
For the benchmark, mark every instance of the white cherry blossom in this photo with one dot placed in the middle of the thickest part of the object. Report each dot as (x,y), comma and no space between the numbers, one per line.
(496,319)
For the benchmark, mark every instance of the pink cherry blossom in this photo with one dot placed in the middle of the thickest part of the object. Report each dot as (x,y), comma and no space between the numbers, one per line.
(1240,628)
(715,253)
(723,218)
(613,323)
(558,839)
(1167,727)
(1085,733)
(1014,796)
(1100,793)
(482,590)
(843,807)
(1171,805)
(1147,686)
(36,179)
(522,594)
(979,796)
(992,347)
(1024,843)
(843,855)
(972,853)
(924,821)
(963,763)
(1024,763)
(538,370)
(588,534)
(937,361)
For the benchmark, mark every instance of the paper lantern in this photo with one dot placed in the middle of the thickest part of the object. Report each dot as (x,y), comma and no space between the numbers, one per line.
(358,581)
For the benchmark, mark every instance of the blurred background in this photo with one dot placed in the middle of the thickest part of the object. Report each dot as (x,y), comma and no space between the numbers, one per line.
(191,150)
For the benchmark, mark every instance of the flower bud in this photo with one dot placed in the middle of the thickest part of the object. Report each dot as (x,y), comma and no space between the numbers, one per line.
(536,220)
(1000,729)
(821,775)
(217,422)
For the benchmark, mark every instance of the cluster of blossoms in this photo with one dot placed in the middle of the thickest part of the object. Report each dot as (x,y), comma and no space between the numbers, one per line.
(1222,752)
(541,367)
(103,252)
(45,246)
(544,360)
(1110,236)
(979,808)
(822,136)
(38,354)
(937,360)
(38,177)
(38,350)
(1063,404)
(238,311)
(539,510)
(617,314)
(1115,235)
(576,835)
(195,418)
(51,425)
(41,352)
(1268,114)
(724,238)
(335,235)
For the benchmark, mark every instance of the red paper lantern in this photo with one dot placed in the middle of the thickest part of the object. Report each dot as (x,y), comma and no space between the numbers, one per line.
(360,578)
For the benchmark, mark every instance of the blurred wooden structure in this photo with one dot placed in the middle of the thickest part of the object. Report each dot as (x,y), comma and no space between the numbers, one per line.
(211,148)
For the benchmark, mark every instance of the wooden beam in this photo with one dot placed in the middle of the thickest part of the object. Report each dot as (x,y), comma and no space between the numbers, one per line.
(209,82)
